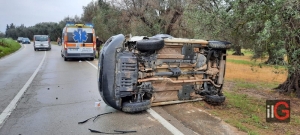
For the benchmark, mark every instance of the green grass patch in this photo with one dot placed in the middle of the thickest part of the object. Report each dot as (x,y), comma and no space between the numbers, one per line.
(246,85)
(53,43)
(295,120)
(245,62)
(251,111)
(243,84)
(8,46)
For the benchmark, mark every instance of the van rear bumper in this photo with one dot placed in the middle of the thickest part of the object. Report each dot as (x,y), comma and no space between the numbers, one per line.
(79,55)
(42,47)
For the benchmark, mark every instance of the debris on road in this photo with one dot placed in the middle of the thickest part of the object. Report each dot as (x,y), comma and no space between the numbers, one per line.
(115,132)
(97,104)
(95,117)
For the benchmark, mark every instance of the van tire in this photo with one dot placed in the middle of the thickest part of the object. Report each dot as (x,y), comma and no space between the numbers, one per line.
(136,106)
(65,59)
(214,99)
(151,44)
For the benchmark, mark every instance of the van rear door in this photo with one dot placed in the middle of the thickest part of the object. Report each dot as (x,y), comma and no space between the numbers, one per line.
(80,40)
(41,41)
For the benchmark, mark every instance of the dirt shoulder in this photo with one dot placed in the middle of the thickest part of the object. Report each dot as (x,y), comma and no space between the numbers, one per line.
(245,108)
(243,112)
(200,120)
(246,87)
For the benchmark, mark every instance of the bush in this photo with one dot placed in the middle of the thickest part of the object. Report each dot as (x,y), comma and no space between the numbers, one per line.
(8,46)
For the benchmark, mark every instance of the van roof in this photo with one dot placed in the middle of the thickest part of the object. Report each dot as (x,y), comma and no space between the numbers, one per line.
(87,25)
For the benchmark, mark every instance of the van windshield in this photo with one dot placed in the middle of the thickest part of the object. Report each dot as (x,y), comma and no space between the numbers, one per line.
(41,38)
(71,38)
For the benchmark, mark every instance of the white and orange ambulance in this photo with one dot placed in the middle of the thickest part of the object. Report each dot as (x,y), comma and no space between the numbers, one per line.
(78,41)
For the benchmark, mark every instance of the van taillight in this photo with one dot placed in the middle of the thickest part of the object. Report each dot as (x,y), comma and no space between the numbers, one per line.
(65,47)
(94,45)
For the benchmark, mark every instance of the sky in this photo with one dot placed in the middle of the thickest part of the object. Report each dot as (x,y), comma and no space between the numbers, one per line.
(31,12)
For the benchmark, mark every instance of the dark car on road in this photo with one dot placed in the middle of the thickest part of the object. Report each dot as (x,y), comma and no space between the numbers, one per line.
(19,39)
(25,41)
(136,73)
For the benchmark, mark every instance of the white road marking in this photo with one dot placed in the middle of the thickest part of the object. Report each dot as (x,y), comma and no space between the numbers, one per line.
(160,119)
(164,122)
(13,104)
(92,64)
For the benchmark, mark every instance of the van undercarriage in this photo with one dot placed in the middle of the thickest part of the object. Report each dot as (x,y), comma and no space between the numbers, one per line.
(135,75)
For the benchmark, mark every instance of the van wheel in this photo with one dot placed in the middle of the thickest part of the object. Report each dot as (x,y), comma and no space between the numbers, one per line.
(91,59)
(136,106)
(214,99)
(151,44)
(65,59)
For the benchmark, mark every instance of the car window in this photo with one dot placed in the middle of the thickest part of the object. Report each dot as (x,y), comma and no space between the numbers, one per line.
(71,38)
(41,38)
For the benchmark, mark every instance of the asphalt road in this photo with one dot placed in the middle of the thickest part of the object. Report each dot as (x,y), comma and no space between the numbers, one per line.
(60,94)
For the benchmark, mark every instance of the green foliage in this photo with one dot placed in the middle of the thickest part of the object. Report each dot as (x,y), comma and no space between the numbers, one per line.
(8,46)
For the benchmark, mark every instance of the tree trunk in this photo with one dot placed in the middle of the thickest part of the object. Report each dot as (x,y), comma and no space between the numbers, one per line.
(237,50)
(258,53)
(291,85)
(275,58)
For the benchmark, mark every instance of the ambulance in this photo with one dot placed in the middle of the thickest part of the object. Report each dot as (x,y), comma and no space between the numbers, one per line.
(78,41)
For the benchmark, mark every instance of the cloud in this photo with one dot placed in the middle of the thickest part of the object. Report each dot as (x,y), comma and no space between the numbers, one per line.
(31,12)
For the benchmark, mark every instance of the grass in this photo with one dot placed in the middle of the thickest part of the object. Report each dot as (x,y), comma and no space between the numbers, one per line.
(242,62)
(242,84)
(246,52)
(8,46)
(247,113)
(242,111)
(53,43)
